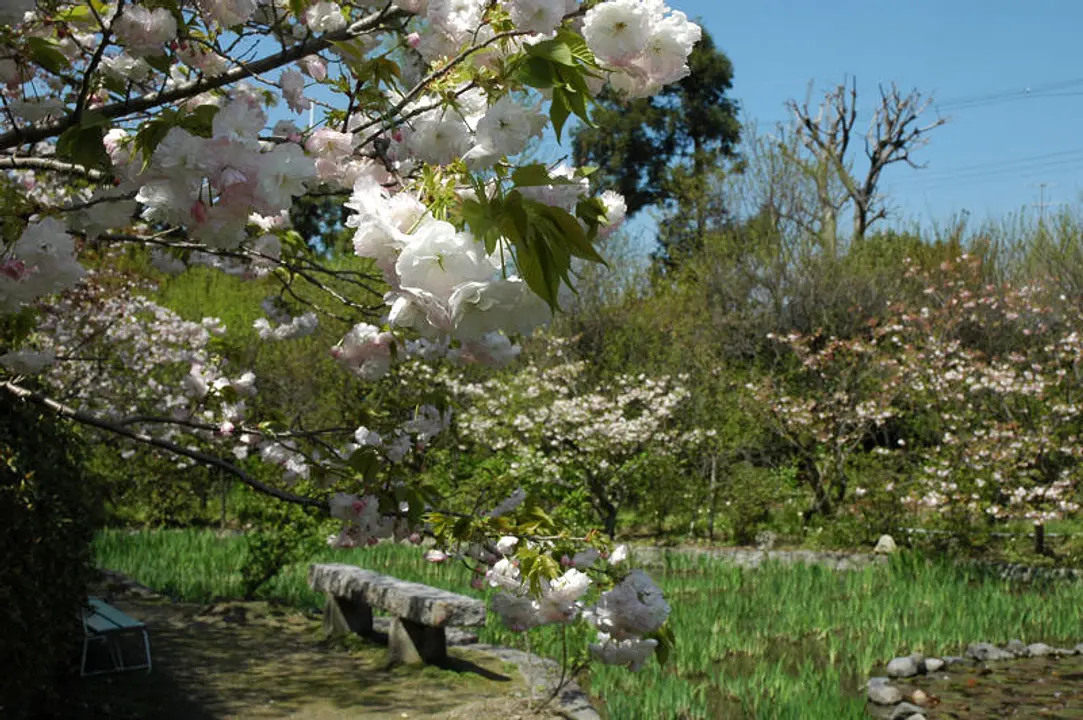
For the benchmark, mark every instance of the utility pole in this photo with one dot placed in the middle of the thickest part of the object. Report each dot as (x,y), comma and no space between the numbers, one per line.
(1042,204)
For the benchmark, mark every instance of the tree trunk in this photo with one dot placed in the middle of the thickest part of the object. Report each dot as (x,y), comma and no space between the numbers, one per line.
(1039,540)
(712,490)
(225,496)
(822,504)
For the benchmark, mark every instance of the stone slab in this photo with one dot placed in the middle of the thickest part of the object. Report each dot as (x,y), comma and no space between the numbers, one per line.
(415,602)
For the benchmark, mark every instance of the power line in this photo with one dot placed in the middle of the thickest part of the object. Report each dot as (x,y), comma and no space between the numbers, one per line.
(1055,168)
(1010,94)
(1032,162)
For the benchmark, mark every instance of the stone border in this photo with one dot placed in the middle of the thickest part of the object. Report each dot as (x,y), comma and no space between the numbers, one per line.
(753,558)
(839,560)
(888,702)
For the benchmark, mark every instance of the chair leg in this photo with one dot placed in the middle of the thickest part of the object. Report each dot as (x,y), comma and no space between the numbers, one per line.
(82,665)
(146,647)
(116,653)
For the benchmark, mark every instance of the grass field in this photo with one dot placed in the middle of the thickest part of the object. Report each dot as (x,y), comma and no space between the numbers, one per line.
(777,642)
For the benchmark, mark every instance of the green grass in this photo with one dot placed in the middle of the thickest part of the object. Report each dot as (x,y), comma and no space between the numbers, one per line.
(777,642)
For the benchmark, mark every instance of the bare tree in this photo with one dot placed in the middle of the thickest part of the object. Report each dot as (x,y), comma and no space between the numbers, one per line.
(894,134)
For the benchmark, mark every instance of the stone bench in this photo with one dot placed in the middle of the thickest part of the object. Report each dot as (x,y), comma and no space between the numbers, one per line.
(419,613)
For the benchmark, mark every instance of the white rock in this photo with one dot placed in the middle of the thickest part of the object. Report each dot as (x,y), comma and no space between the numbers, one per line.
(902,667)
(933,664)
(907,711)
(885,545)
(1039,650)
(885,694)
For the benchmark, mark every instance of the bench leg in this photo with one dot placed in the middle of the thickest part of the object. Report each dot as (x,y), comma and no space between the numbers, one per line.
(411,643)
(146,647)
(342,616)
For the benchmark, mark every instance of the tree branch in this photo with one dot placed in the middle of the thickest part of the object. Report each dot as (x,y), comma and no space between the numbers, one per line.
(84,418)
(191,89)
(11,162)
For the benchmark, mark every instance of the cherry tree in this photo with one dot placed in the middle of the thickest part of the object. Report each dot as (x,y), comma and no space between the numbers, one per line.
(180,126)
(564,429)
(1002,420)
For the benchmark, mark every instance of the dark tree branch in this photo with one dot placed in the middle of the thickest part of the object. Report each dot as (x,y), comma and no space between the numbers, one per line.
(182,92)
(84,418)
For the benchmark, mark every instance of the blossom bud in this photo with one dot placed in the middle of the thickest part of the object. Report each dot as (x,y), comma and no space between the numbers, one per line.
(413,40)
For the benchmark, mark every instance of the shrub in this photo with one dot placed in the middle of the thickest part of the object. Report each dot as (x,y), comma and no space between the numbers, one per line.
(49,512)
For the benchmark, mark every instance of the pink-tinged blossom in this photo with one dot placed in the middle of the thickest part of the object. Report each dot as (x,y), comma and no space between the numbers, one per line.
(540,16)
(227,13)
(365,351)
(314,66)
(324,17)
(143,31)
(293,89)
(617,31)
(42,262)
(615,211)
(585,558)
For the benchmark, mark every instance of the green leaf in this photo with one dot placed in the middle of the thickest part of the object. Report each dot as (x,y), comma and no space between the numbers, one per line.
(559,109)
(200,121)
(152,132)
(667,643)
(540,272)
(554,50)
(536,72)
(577,46)
(531,175)
(83,146)
(161,63)
(572,233)
(74,13)
(44,52)
(93,118)
(365,463)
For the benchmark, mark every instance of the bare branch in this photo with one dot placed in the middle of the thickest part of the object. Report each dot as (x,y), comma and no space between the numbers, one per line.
(38,163)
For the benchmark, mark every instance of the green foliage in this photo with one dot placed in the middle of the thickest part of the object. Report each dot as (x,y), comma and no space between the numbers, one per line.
(49,511)
(808,657)
(285,535)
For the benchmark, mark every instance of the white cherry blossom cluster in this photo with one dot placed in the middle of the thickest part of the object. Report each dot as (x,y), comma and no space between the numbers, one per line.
(633,608)
(645,43)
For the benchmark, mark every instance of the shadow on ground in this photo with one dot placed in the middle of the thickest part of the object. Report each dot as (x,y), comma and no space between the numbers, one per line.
(253,660)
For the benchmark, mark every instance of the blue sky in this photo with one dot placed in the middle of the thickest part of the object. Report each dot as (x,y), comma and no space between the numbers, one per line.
(992,156)
(990,159)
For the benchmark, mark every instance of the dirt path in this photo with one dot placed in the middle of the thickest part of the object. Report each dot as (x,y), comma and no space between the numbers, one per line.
(239,660)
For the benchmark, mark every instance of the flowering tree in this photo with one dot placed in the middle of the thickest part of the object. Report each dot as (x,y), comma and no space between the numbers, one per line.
(841,391)
(1001,421)
(981,384)
(562,428)
(146,124)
